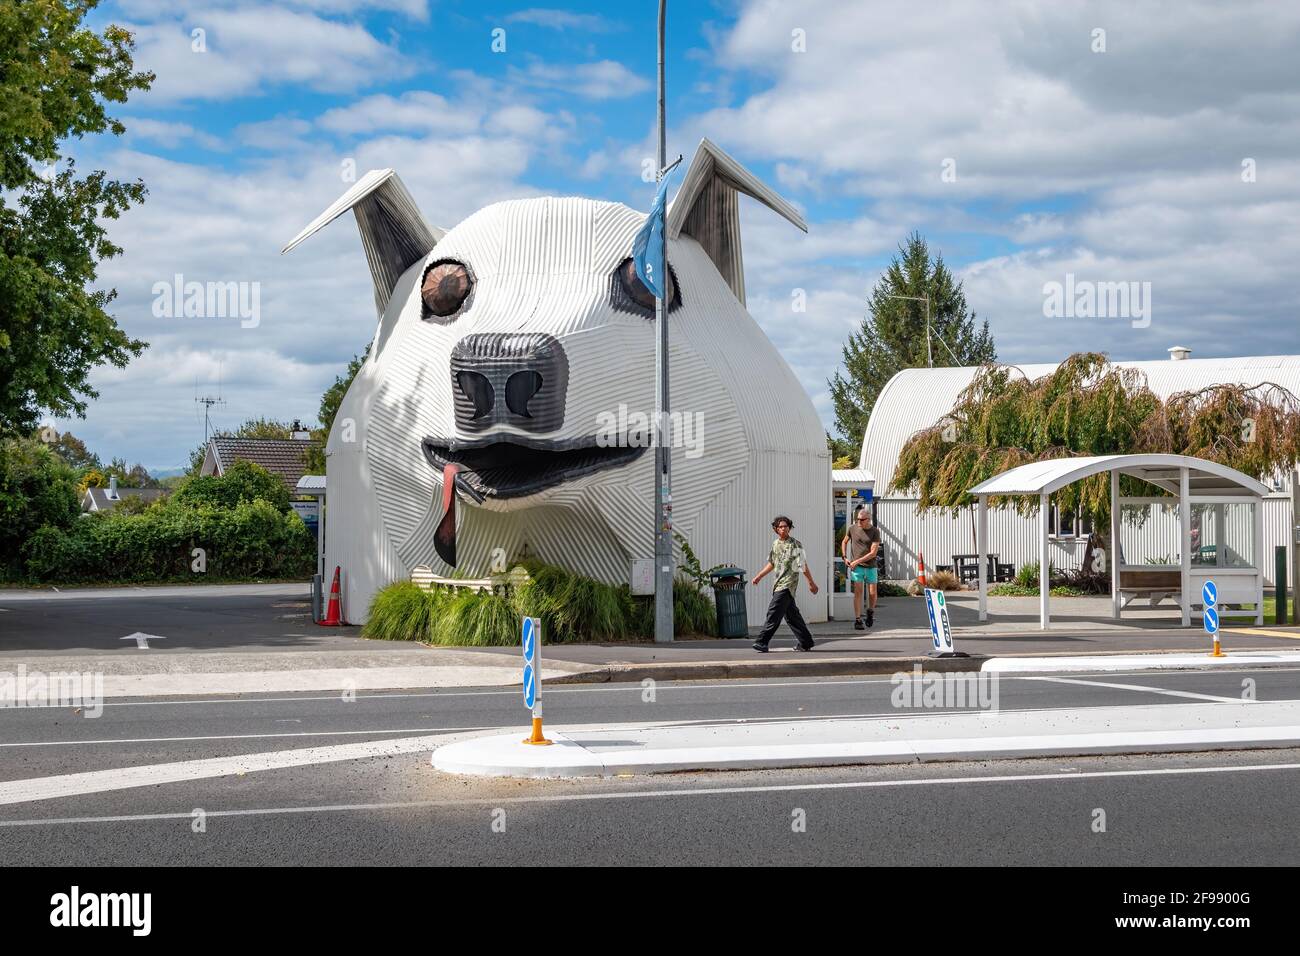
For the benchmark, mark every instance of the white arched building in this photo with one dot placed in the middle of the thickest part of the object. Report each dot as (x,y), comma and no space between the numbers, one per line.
(915,399)
(503,405)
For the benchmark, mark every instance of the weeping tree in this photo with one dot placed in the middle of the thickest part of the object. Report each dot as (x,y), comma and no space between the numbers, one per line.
(1088,406)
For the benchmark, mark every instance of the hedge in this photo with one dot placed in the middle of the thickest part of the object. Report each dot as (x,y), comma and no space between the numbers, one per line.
(252,540)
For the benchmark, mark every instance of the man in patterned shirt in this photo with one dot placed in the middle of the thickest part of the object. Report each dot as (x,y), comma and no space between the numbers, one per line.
(787,560)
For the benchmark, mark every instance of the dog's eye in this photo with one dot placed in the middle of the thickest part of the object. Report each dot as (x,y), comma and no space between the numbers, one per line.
(636,289)
(446,288)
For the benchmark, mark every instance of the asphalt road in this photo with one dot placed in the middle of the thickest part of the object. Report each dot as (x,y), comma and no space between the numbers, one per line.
(272,617)
(1225,808)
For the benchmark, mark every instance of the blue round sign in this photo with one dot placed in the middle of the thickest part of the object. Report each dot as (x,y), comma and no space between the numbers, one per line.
(1211,620)
(529,643)
(530,687)
(1209,593)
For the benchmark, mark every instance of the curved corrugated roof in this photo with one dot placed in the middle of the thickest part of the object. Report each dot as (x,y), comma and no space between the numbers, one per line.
(916,398)
(1044,477)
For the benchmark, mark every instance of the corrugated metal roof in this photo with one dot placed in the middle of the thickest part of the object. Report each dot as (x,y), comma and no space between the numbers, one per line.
(1045,477)
(916,398)
(311,483)
(851,477)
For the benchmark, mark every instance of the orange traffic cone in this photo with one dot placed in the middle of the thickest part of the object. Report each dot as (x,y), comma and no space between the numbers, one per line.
(920,575)
(334,614)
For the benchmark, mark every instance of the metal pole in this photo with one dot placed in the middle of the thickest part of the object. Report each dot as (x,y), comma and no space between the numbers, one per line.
(1044,565)
(1185,537)
(1112,559)
(929,355)
(663,458)
(981,547)
(1295,546)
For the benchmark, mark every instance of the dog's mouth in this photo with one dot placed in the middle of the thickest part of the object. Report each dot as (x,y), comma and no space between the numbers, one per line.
(509,469)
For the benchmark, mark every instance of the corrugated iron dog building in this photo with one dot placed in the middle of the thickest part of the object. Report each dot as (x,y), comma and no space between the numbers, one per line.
(503,401)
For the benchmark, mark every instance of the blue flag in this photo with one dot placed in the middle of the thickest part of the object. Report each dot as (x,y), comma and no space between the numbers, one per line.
(648,247)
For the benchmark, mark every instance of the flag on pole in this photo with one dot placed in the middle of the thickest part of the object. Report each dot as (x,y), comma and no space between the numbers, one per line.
(648,247)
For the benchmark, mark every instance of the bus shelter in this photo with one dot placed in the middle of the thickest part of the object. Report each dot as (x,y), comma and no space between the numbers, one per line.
(1208,526)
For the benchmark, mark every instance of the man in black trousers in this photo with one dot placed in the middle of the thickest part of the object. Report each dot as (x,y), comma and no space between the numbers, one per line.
(787,560)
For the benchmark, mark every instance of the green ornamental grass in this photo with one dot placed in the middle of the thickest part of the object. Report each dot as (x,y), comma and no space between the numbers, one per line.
(573,609)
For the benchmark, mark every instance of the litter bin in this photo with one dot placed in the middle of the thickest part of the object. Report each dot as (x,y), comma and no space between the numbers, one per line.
(729,596)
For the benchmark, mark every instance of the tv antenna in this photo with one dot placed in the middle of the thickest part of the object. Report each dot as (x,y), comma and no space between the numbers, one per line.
(207,401)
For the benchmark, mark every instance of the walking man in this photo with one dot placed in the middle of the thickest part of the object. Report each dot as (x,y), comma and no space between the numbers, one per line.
(861,551)
(787,560)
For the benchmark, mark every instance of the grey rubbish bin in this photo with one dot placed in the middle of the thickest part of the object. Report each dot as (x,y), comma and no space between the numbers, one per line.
(729,596)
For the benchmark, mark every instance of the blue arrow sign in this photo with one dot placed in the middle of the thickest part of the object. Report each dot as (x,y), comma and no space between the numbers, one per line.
(1211,619)
(529,642)
(1209,594)
(934,625)
(530,687)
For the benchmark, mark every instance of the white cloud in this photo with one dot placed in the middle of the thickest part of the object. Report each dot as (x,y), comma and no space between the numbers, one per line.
(601,80)
(160,9)
(564,20)
(416,111)
(173,134)
(249,49)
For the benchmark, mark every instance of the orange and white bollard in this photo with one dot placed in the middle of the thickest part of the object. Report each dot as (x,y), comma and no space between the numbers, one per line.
(531,645)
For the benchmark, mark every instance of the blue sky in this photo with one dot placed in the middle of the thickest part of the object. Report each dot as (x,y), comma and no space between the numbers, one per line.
(1115,164)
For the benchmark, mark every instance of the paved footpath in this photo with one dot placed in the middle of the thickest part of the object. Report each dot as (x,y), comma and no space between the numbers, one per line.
(260,639)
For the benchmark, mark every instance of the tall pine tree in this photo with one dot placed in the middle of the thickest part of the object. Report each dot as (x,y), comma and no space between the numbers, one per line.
(892,337)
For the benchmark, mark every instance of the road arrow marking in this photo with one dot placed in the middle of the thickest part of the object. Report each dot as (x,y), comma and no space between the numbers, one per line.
(142,640)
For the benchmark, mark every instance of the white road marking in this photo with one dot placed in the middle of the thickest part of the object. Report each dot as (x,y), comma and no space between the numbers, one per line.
(656,794)
(123,778)
(299,733)
(1145,689)
(142,640)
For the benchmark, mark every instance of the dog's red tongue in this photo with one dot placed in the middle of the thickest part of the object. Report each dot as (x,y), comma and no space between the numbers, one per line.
(444,539)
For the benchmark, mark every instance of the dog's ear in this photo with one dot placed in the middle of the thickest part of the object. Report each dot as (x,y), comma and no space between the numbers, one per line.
(393,232)
(707,208)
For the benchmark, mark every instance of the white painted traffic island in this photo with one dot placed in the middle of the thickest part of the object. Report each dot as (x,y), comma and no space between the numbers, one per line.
(911,736)
(507,755)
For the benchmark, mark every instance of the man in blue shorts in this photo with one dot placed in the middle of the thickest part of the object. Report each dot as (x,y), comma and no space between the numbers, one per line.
(861,550)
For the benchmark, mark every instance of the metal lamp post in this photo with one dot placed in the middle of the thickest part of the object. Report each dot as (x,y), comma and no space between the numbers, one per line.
(663,457)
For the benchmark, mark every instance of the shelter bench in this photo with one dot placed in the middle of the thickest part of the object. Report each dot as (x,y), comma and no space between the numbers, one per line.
(1156,585)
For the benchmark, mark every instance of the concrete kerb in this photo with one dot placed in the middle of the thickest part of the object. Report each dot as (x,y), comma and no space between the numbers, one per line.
(876,666)
(753,670)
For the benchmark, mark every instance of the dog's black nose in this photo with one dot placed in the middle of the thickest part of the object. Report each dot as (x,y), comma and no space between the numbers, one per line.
(509,378)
